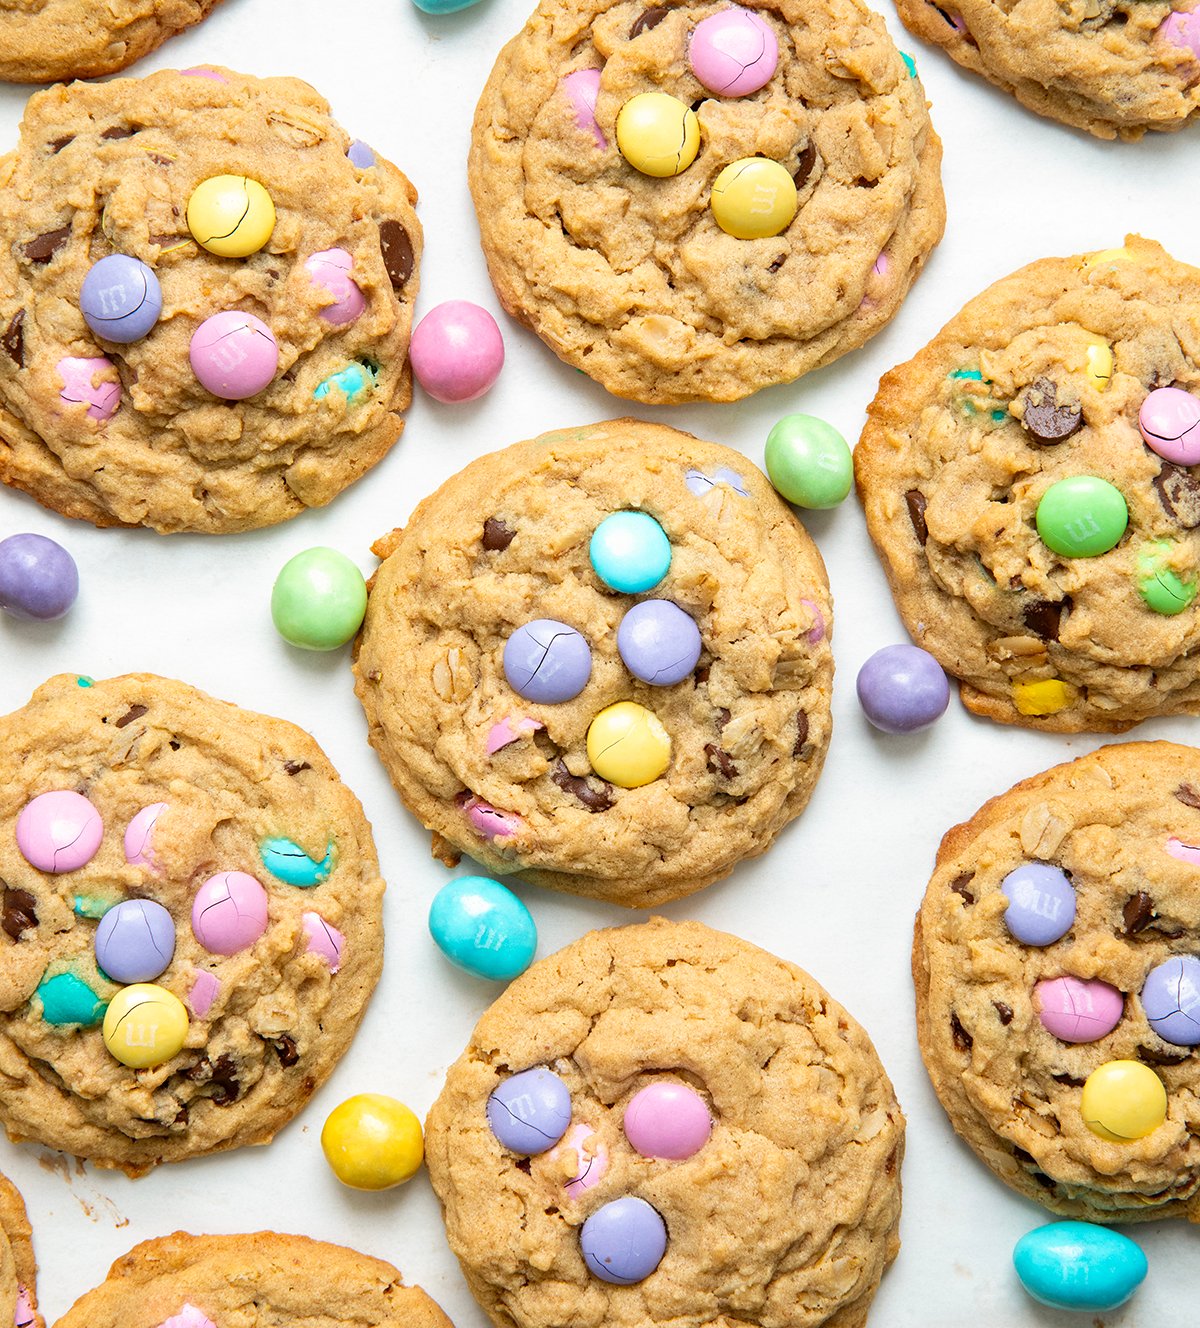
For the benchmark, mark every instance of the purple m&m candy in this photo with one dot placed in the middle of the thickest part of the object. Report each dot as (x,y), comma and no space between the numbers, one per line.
(92,380)
(547,661)
(658,642)
(733,52)
(1078,1009)
(668,1120)
(121,299)
(530,1111)
(234,355)
(135,941)
(902,689)
(361,154)
(330,270)
(1041,903)
(624,1241)
(229,912)
(1170,423)
(59,831)
(1171,1000)
(38,578)
(457,351)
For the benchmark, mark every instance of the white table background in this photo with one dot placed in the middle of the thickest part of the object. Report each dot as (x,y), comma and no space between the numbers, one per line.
(838,891)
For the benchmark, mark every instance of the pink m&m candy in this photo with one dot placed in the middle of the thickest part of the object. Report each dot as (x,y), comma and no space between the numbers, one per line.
(92,380)
(59,831)
(1170,423)
(139,833)
(189,1316)
(457,351)
(667,1119)
(733,52)
(205,990)
(582,88)
(591,1158)
(1182,28)
(330,269)
(1078,1009)
(323,939)
(229,912)
(234,355)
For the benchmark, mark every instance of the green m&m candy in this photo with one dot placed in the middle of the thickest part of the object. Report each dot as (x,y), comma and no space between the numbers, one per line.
(1163,590)
(808,462)
(319,600)
(1082,517)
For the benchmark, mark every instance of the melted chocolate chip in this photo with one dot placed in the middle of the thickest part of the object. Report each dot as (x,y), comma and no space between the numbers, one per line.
(397,250)
(181,1117)
(523,1164)
(294,767)
(135,711)
(174,746)
(13,339)
(44,247)
(1068,1079)
(801,733)
(224,1081)
(160,160)
(1152,1056)
(916,514)
(285,1049)
(57,144)
(1188,796)
(1044,417)
(497,536)
(962,1039)
(19,913)
(1178,492)
(804,167)
(776,263)
(1137,913)
(720,762)
(723,717)
(595,800)
(959,886)
(1004,1011)
(119,131)
(701,674)
(1044,617)
(890,1165)
(647,19)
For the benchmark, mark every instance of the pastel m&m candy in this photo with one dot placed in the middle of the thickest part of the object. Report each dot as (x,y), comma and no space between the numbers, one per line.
(753,198)
(234,355)
(67,999)
(1169,420)
(355,382)
(1082,517)
(372,1142)
(318,600)
(1160,586)
(59,831)
(902,688)
(667,1119)
(1181,28)
(483,928)
(627,745)
(1079,1266)
(92,380)
(287,861)
(733,52)
(624,1241)
(457,351)
(591,1159)
(139,836)
(581,88)
(1041,903)
(547,661)
(1171,999)
(530,1111)
(135,941)
(809,462)
(120,299)
(229,912)
(657,134)
(658,643)
(630,552)
(361,154)
(145,1025)
(38,578)
(1122,1101)
(324,939)
(1078,1009)
(330,271)
(231,215)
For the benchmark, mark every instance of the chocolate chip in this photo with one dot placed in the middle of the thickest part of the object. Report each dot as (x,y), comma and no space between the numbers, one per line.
(1068,1079)
(1137,913)
(1178,491)
(890,1165)
(497,536)
(1004,1011)
(294,767)
(524,1164)
(647,19)
(1043,617)
(595,800)
(13,339)
(181,1116)
(959,886)
(808,159)
(174,746)
(134,712)
(397,251)
(1188,796)
(1044,417)
(720,762)
(723,717)
(916,514)
(57,144)
(1152,1056)
(18,912)
(776,263)
(285,1049)
(43,249)
(119,131)
(701,674)
(962,1039)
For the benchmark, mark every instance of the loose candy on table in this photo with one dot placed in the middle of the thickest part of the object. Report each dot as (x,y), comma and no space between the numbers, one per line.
(318,600)
(233,355)
(372,1142)
(1169,420)
(1082,517)
(229,912)
(1171,999)
(657,134)
(809,462)
(324,939)
(90,380)
(135,941)
(581,88)
(482,927)
(1041,903)
(1079,1266)
(288,862)
(59,831)
(1160,586)
(121,299)
(630,552)
(456,351)
(145,1025)
(231,215)
(529,1112)
(139,836)
(753,198)
(627,745)
(67,999)
(1122,1101)
(667,1120)
(330,270)
(443,6)
(733,52)
(624,1241)
(38,578)
(1078,1009)
(547,661)
(902,688)
(658,643)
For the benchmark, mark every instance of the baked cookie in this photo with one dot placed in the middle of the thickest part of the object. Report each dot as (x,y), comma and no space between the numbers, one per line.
(813,199)
(18,1271)
(205,304)
(45,40)
(190,923)
(1029,481)
(1057,937)
(184,1281)
(663,1124)
(628,744)
(1112,67)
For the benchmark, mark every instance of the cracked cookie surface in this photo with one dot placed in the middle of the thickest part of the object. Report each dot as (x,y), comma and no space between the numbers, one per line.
(18,1271)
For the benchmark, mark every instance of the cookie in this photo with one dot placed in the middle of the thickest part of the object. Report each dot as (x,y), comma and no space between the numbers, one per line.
(190,921)
(687,1130)
(1029,482)
(812,198)
(504,679)
(18,1271)
(1057,937)
(184,1281)
(205,304)
(1115,67)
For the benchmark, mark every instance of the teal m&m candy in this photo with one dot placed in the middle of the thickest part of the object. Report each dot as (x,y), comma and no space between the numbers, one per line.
(808,462)
(1082,517)
(318,600)
(483,928)
(630,552)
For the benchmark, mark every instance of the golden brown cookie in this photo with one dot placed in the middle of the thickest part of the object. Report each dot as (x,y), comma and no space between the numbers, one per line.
(18,1271)
(630,277)
(499,555)
(779,1197)
(1058,935)
(1040,531)
(152,835)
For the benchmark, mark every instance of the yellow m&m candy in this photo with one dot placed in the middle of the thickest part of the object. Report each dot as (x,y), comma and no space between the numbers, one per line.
(1099,368)
(753,198)
(1123,1100)
(1045,697)
(231,215)
(657,134)
(627,745)
(372,1142)
(145,1025)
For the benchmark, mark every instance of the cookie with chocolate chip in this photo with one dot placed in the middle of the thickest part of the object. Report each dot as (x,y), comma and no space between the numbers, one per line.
(190,921)
(184,1281)
(1058,936)
(18,1271)
(664,1124)
(497,671)
(796,199)
(226,198)
(1030,482)
(1113,67)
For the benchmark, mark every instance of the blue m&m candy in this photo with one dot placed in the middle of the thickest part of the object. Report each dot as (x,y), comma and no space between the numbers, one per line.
(630,552)
(121,299)
(1079,1266)
(530,1111)
(1041,905)
(483,928)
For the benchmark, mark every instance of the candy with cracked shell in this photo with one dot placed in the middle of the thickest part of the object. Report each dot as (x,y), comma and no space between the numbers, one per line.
(231,215)
(229,912)
(121,299)
(135,941)
(530,1111)
(145,1025)
(547,661)
(624,1241)
(733,52)
(59,831)
(658,642)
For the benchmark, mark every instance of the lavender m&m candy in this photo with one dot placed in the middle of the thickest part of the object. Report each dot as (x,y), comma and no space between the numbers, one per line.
(530,1111)
(38,578)
(234,355)
(547,661)
(1169,420)
(59,831)
(624,1241)
(1041,903)
(92,380)
(330,270)
(361,154)
(1171,1000)
(135,941)
(229,912)
(457,351)
(733,52)
(120,299)
(1078,1009)
(902,689)
(668,1120)
(658,643)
